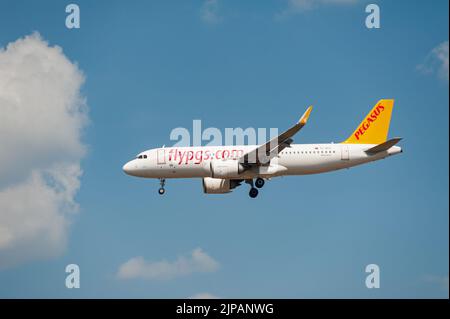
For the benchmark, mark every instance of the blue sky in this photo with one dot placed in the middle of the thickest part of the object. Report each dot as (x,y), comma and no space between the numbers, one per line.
(150,67)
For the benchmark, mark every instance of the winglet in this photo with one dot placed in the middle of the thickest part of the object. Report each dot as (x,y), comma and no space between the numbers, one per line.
(305,116)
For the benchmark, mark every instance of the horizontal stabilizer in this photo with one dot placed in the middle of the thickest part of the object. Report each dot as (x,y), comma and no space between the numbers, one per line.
(384,146)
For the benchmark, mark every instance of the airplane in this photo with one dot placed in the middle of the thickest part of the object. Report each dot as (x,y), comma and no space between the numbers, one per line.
(223,168)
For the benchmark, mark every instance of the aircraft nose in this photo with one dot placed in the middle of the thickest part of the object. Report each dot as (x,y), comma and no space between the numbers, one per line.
(127,168)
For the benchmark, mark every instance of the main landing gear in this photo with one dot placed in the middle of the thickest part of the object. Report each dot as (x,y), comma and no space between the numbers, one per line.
(258,183)
(253,192)
(162,182)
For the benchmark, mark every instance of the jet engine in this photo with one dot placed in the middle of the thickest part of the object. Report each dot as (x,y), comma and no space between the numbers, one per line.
(219,185)
(226,168)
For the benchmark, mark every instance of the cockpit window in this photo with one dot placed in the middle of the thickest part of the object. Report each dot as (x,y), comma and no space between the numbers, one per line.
(141,156)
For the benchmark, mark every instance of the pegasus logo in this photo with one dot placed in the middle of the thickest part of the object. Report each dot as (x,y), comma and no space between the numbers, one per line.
(368,121)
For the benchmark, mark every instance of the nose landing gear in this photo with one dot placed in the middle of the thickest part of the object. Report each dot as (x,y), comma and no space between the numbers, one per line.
(161,190)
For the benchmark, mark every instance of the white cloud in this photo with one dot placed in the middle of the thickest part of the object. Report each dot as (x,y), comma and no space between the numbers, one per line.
(209,12)
(299,6)
(42,116)
(203,295)
(197,261)
(436,61)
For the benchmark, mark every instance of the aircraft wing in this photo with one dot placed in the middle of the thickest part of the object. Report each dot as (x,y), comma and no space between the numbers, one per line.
(265,152)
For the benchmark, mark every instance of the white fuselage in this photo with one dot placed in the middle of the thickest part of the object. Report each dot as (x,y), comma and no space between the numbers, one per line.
(298,159)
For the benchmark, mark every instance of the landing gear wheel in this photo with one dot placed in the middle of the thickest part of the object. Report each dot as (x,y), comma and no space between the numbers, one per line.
(259,182)
(253,192)
(162,182)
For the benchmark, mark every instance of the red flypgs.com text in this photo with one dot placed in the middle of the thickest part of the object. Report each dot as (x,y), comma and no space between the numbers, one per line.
(369,120)
(184,156)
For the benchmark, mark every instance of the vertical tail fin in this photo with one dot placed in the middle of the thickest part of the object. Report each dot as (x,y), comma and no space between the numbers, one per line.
(375,126)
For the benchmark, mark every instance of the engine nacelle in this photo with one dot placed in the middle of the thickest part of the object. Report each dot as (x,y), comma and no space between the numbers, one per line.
(218,185)
(226,168)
